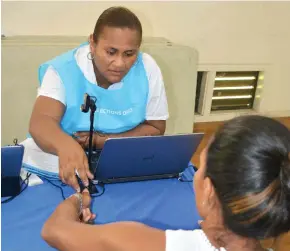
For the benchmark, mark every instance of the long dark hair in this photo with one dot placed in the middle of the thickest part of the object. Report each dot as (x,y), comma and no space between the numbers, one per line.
(248,163)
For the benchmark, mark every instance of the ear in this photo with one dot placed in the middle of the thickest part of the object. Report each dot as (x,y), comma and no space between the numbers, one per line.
(209,192)
(92,42)
(91,38)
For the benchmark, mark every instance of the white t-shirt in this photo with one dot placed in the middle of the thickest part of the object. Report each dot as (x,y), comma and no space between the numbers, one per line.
(157,108)
(188,240)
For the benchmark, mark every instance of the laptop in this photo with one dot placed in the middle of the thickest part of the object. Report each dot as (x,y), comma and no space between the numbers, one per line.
(11,162)
(145,158)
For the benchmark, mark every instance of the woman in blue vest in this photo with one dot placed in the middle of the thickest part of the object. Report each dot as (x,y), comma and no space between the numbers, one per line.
(127,85)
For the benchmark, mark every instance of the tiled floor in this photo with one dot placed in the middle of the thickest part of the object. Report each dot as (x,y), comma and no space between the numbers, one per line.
(283,242)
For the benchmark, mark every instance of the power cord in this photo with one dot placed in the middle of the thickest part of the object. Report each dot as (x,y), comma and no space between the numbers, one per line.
(103,191)
(63,185)
(23,182)
(59,187)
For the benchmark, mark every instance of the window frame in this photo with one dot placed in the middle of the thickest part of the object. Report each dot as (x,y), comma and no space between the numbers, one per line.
(204,112)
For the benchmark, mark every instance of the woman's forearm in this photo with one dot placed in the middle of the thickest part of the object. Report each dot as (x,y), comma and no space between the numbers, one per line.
(45,127)
(48,135)
(68,210)
(122,236)
(150,128)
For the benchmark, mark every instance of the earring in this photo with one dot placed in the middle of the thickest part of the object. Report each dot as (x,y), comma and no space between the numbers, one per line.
(90,56)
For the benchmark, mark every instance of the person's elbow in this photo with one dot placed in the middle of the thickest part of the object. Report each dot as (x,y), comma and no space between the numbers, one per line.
(37,124)
(34,124)
(53,234)
(32,127)
(158,127)
(47,232)
(161,127)
(52,231)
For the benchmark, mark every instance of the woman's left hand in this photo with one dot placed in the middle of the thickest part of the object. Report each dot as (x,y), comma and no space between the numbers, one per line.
(87,215)
(83,139)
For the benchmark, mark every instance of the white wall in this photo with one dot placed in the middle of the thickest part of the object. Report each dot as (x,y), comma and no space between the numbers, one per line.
(224,33)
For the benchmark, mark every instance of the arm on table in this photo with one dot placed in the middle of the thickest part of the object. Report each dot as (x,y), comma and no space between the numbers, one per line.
(148,128)
(64,232)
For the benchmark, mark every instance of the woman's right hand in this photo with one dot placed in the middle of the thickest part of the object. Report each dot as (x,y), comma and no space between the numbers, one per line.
(73,158)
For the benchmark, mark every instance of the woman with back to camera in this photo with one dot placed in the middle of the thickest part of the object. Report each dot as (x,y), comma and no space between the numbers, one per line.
(127,84)
(242,193)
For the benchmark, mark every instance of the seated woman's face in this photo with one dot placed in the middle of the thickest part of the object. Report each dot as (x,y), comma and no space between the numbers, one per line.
(115,52)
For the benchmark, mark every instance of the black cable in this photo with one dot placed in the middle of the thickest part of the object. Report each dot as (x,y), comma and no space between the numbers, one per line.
(98,195)
(92,115)
(23,182)
(60,187)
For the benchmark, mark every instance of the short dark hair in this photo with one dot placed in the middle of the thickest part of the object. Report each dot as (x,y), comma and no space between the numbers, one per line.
(119,17)
(249,166)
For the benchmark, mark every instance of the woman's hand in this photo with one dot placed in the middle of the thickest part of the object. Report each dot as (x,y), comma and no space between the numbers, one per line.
(83,139)
(87,215)
(72,158)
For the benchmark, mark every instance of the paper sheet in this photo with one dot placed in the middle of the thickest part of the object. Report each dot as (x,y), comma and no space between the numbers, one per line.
(33,178)
(36,158)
